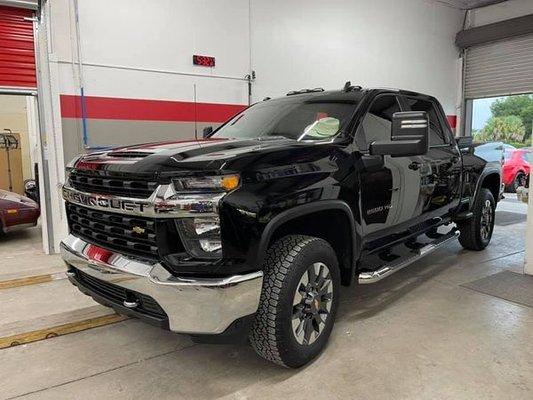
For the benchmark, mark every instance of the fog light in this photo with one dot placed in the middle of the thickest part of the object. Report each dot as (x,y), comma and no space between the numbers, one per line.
(201,236)
(210,245)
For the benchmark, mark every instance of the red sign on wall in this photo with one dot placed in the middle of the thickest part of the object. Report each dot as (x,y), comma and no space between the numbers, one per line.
(203,61)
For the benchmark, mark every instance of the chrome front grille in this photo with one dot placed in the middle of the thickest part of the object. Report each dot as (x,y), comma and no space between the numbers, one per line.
(134,236)
(91,182)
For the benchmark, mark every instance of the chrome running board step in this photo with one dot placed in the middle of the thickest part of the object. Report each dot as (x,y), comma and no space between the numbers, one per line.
(389,269)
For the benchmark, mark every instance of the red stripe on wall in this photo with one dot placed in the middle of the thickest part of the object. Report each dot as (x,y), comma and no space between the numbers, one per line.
(146,110)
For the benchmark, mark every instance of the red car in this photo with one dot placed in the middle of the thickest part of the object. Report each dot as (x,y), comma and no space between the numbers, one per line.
(17,212)
(516,168)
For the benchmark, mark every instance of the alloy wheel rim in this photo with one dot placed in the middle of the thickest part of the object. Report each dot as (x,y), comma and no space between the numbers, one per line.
(520,180)
(312,303)
(487,217)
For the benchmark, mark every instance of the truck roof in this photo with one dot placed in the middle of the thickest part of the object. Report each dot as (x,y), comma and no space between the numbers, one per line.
(353,93)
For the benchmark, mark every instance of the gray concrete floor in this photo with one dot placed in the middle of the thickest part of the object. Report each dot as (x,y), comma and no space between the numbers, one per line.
(415,335)
(21,254)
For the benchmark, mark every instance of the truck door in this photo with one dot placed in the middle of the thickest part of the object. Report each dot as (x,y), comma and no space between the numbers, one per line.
(390,187)
(443,185)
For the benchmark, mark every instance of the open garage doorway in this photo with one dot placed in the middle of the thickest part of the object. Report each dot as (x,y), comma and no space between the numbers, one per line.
(505,125)
(19,178)
(26,138)
(501,128)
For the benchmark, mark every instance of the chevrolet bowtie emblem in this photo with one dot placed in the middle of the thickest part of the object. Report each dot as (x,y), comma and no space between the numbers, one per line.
(138,230)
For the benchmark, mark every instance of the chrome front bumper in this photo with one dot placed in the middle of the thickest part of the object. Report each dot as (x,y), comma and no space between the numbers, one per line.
(193,305)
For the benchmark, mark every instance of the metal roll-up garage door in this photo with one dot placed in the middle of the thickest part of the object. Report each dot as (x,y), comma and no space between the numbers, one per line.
(500,68)
(17,53)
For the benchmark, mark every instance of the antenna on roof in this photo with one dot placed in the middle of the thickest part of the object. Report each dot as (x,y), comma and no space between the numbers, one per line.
(348,87)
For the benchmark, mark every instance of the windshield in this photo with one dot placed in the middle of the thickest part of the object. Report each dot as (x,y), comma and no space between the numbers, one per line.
(298,118)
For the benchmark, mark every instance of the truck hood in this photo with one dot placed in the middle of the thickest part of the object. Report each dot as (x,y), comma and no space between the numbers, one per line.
(167,158)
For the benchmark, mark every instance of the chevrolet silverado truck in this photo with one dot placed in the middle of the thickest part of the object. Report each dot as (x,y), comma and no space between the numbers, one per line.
(251,230)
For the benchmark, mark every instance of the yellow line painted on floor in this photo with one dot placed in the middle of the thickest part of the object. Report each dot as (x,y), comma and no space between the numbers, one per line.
(59,330)
(30,280)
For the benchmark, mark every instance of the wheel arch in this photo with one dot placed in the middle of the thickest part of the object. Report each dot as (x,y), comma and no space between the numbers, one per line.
(332,220)
(490,178)
(492,181)
(520,171)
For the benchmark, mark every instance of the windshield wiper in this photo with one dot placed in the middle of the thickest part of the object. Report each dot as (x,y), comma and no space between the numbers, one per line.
(272,137)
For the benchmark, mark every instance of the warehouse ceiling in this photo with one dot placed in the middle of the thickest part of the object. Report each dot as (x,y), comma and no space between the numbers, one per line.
(470,4)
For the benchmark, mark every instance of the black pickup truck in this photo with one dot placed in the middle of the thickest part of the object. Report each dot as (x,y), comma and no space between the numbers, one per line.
(252,229)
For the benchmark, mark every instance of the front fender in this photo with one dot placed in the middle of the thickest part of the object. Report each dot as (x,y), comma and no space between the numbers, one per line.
(490,169)
(302,210)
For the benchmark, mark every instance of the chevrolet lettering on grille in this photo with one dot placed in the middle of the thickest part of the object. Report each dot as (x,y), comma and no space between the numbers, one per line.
(103,202)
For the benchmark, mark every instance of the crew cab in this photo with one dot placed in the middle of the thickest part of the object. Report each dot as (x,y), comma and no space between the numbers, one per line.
(251,230)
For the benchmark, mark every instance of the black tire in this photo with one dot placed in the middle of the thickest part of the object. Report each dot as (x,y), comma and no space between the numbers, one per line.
(472,236)
(519,180)
(272,335)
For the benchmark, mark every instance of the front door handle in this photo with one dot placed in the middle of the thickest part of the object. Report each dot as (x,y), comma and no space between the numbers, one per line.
(414,165)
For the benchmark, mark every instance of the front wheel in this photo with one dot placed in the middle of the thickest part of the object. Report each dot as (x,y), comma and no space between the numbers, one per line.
(298,302)
(475,233)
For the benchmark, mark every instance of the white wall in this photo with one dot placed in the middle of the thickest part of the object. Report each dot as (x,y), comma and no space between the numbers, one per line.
(392,43)
(294,44)
(130,40)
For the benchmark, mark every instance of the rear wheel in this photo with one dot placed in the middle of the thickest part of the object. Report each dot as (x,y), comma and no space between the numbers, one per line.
(298,302)
(519,180)
(476,232)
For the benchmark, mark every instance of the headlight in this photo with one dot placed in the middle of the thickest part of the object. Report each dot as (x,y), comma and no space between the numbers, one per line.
(223,183)
(201,236)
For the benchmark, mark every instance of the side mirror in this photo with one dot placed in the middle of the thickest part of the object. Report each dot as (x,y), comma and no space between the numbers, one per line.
(208,130)
(409,136)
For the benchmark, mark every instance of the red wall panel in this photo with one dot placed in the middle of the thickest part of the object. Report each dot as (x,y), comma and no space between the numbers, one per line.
(146,110)
(17,55)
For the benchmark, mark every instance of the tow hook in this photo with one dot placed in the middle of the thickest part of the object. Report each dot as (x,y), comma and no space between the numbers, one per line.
(131,304)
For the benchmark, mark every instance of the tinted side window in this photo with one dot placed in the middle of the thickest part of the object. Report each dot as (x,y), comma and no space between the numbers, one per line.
(376,124)
(436,133)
